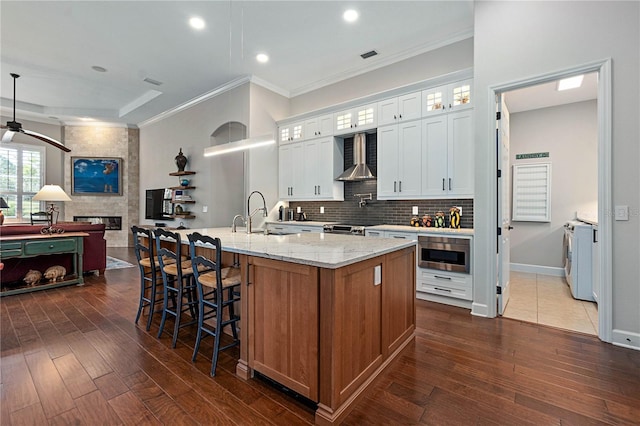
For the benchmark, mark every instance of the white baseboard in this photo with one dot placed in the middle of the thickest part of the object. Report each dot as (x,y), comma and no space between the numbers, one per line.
(480,310)
(442,299)
(536,269)
(626,339)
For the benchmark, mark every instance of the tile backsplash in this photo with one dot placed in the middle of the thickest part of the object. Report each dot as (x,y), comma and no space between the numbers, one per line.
(390,212)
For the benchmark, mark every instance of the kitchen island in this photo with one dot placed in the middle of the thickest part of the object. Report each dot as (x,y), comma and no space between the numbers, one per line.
(322,314)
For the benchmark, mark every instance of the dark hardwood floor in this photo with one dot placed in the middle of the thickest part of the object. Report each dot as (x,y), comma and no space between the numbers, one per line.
(73,356)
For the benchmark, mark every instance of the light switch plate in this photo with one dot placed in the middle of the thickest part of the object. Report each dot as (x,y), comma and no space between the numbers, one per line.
(622,212)
(377,275)
(205,209)
(414,210)
(321,209)
(298,209)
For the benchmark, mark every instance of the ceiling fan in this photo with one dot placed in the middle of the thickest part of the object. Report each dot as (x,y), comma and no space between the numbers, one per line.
(14,127)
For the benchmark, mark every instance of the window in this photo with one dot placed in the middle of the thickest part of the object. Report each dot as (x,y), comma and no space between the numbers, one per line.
(21,177)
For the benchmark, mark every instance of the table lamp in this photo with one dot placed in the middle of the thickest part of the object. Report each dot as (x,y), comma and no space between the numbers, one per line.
(52,193)
(3,205)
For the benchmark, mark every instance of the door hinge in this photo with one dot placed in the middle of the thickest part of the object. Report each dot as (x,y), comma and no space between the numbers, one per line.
(499,173)
(498,115)
(498,290)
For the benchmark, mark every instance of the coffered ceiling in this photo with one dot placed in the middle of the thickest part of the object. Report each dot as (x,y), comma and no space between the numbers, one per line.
(53,45)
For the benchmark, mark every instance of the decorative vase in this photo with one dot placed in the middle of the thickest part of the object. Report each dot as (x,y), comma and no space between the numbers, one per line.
(184,182)
(181,161)
(179,209)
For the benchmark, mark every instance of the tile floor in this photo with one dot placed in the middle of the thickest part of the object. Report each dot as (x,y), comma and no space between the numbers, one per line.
(547,300)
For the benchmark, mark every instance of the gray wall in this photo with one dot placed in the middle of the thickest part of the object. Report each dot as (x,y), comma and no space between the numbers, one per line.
(569,134)
(445,60)
(219,181)
(517,40)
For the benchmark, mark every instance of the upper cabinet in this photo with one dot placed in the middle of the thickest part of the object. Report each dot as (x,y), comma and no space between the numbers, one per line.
(402,108)
(318,126)
(447,98)
(307,170)
(293,132)
(355,119)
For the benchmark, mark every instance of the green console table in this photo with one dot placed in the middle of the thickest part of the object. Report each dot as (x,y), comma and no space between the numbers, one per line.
(32,246)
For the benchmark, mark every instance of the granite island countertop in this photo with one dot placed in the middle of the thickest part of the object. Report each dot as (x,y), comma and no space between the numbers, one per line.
(422,230)
(316,249)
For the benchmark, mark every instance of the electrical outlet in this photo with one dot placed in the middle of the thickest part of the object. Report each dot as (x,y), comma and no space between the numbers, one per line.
(414,210)
(205,209)
(321,209)
(298,209)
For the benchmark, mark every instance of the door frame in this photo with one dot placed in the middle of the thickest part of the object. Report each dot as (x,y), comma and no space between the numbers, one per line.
(603,68)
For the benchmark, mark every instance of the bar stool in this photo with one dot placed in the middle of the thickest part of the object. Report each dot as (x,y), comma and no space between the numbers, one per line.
(149,271)
(179,286)
(217,290)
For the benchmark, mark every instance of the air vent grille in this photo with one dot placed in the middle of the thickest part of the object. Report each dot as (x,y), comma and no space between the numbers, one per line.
(152,81)
(369,54)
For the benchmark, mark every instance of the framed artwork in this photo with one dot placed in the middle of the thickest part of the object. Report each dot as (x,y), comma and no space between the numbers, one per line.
(96,176)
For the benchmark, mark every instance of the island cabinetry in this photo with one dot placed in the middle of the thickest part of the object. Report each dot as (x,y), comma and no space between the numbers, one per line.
(283,323)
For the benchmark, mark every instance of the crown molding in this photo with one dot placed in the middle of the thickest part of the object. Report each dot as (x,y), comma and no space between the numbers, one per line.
(195,101)
(270,86)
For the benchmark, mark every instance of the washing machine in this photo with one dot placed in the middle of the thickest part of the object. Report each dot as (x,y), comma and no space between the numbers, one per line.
(577,259)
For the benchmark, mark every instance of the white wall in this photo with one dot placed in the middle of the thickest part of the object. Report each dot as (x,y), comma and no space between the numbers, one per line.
(219,181)
(518,40)
(266,108)
(569,134)
(447,59)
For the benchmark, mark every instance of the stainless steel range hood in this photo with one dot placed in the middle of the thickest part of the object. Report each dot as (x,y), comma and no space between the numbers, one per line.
(359,170)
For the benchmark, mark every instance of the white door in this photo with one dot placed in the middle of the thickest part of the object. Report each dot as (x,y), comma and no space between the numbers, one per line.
(504,209)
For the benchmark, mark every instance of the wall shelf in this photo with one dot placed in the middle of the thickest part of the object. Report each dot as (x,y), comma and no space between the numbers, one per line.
(182,173)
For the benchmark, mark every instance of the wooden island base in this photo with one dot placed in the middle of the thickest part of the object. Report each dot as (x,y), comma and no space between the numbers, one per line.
(326,333)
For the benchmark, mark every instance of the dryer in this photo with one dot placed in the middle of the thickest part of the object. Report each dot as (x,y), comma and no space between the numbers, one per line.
(577,259)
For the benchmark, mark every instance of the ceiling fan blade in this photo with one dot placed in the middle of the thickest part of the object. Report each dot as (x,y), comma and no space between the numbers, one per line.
(8,135)
(46,139)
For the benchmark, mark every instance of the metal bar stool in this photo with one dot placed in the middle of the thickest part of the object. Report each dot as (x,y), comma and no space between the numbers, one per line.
(149,271)
(179,286)
(217,290)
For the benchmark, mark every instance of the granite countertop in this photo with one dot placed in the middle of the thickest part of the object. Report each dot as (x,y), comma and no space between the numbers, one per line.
(421,230)
(316,249)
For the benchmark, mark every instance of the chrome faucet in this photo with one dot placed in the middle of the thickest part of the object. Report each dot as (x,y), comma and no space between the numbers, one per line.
(363,199)
(233,224)
(250,215)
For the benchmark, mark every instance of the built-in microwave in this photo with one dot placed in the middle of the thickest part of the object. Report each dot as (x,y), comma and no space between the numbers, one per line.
(444,253)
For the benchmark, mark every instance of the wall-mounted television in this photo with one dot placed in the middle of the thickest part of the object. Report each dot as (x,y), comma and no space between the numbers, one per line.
(156,207)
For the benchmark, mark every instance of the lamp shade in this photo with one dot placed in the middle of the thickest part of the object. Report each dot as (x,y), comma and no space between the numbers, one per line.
(3,204)
(51,193)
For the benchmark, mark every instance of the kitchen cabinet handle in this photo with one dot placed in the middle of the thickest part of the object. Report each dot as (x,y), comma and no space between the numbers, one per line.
(394,186)
(400,116)
(400,186)
(595,235)
(394,117)
(449,184)
(443,184)
(442,289)
(318,189)
(442,278)
(305,230)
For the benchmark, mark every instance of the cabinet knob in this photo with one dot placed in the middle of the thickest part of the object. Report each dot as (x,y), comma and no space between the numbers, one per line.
(400,115)
(51,246)
(394,117)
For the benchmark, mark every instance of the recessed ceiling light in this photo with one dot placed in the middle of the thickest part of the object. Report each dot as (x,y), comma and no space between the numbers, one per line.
(262,58)
(99,68)
(350,15)
(197,23)
(86,118)
(570,83)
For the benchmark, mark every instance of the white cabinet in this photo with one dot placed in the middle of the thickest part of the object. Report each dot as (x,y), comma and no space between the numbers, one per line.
(444,283)
(323,162)
(402,108)
(399,161)
(450,97)
(307,170)
(291,170)
(291,228)
(379,233)
(355,119)
(293,132)
(318,126)
(447,168)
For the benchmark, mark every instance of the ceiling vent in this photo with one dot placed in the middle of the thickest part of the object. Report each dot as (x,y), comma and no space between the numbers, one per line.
(369,54)
(152,81)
